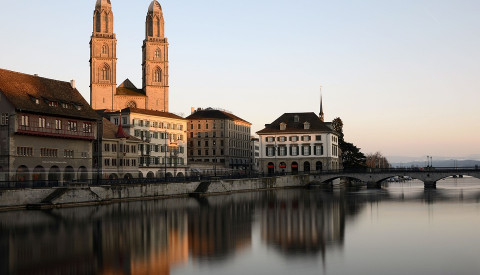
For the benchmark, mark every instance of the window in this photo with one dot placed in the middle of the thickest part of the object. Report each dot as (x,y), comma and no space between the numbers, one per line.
(318,149)
(206,142)
(87,127)
(157,75)
(25,151)
(105,73)
(270,151)
(296,118)
(24,121)
(283,126)
(199,126)
(158,53)
(114,162)
(282,151)
(282,139)
(58,124)
(72,126)
(4,119)
(306,125)
(49,153)
(104,49)
(294,150)
(68,153)
(199,152)
(41,122)
(317,138)
(306,138)
(107,162)
(107,147)
(306,150)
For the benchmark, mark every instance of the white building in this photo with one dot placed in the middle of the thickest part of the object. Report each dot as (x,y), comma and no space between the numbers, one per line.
(298,142)
(163,152)
(254,153)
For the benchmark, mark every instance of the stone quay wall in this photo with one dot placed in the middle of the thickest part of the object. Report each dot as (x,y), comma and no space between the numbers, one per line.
(40,198)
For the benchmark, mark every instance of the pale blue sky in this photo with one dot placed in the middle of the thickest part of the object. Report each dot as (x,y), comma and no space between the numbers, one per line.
(403,75)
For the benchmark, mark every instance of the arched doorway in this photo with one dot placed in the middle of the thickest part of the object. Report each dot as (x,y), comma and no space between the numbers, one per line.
(318,166)
(180,175)
(68,174)
(128,176)
(113,177)
(271,168)
(140,175)
(169,175)
(294,167)
(22,173)
(38,176)
(150,175)
(306,167)
(83,173)
(53,176)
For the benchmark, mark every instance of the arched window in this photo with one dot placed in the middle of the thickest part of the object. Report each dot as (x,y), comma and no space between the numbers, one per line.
(157,75)
(158,53)
(105,49)
(106,22)
(98,21)
(105,73)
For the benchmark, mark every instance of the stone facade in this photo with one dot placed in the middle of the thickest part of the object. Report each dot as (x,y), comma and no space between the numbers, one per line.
(104,93)
(163,150)
(298,142)
(218,139)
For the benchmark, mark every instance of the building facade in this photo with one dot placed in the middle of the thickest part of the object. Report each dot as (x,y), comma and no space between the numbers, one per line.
(119,153)
(163,150)
(298,142)
(47,130)
(218,139)
(104,92)
(254,154)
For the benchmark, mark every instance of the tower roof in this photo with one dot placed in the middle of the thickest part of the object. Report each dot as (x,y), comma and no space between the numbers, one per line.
(154,6)
(103,3)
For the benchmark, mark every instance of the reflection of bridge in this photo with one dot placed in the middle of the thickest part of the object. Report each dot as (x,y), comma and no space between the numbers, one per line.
(374,177)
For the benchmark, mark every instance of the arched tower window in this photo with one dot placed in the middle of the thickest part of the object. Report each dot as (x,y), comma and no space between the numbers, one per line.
(157,24)
(105,72)
(105,49)
(157,75)
(106,22)
(158,53)
(150,26)
(98,22)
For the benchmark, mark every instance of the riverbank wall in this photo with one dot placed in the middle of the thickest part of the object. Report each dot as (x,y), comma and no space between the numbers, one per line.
(44,198)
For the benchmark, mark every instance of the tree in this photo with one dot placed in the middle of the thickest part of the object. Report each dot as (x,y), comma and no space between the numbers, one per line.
(377,160)
(352,158)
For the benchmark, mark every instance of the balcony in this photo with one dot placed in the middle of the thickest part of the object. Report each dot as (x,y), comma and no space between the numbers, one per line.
(49,128)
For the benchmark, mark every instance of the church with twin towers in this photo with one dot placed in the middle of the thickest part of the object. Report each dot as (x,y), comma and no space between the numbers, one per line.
(104,93)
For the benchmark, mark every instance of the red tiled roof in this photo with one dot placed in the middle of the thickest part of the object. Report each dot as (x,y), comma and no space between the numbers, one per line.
(110,131)
(316,125)
(24,91)
(210,113)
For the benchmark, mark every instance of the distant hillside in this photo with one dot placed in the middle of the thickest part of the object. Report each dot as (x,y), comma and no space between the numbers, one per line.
(438,163)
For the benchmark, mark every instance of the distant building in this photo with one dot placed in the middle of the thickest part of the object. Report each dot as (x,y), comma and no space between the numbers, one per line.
(254,153)
(104,92)
(119,156)
(298,142)
(218,138)
(163,151)
(46,130)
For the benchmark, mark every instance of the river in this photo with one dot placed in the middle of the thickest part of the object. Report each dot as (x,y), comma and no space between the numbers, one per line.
(399,229)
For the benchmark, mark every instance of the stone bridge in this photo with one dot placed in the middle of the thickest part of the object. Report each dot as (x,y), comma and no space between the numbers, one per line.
(373,178)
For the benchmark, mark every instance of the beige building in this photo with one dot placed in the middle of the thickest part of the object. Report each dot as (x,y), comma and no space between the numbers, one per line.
(119,153)
(163,151)
(104,92)
(298,142)
(47,131)
(217,138)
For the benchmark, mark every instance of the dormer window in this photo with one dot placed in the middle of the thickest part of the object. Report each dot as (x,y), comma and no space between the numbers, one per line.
(306,125)
(283,126)
(296,118)
(34,99)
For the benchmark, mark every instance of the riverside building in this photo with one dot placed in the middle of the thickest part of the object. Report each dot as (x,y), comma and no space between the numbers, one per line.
(218,139)
(298,142)
(163,148)
(47,130)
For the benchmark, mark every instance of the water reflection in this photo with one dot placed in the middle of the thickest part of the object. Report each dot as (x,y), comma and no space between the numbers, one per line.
(154,237)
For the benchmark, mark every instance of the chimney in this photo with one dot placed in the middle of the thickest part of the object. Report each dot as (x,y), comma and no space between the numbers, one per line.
(72,82)
(35,75)
(192,110)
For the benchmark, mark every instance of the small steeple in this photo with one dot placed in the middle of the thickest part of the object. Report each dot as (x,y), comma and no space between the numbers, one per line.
(321,106)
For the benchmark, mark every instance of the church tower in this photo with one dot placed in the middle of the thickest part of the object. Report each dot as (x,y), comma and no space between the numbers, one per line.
(155,60)
(103,57)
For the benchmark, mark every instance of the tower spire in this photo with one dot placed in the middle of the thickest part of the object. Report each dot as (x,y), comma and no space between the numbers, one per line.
(321,106)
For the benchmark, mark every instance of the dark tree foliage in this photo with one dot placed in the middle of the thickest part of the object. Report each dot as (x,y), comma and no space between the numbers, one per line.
(352,158)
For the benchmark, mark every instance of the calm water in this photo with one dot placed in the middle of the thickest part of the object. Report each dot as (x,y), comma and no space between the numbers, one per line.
(400,229)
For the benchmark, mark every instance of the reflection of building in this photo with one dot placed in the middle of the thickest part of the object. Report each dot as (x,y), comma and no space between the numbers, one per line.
(103,63)
(164,137)
(254,153)
(298,142)
(119,156)
(46,131)
(297,222)
(218,231)
(217,136)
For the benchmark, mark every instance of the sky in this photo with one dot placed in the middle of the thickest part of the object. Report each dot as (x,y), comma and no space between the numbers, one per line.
(403,75)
